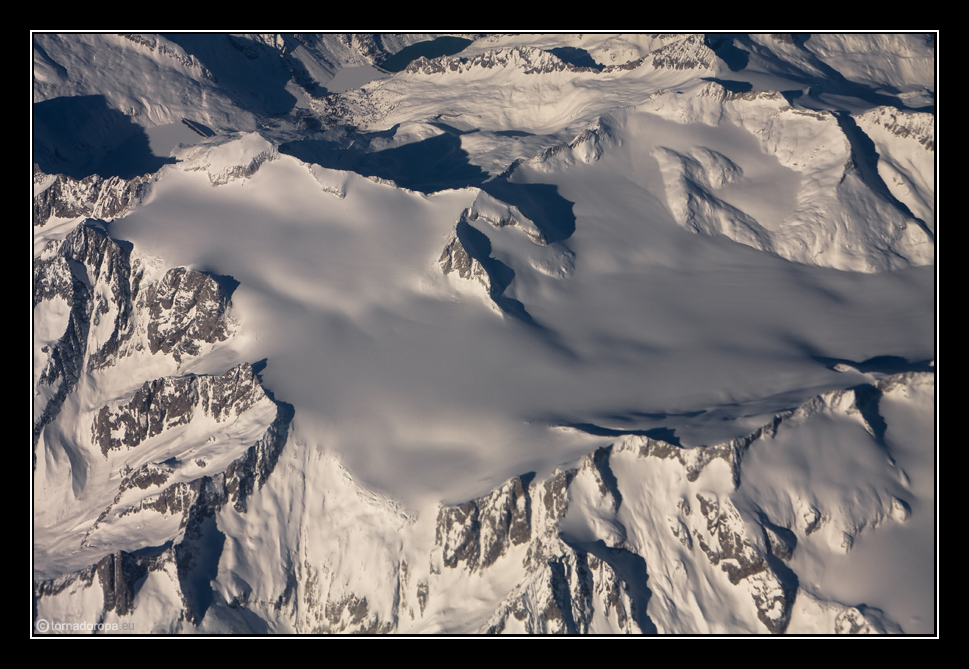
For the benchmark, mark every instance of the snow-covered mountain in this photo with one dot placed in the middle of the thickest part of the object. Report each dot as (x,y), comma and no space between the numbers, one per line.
(556,333)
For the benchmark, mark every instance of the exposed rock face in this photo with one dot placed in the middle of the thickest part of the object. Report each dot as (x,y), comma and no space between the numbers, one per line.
(726,543)
(529,60)
(92,274)
(480,531)
(905,146)
(918,126)
(165,48)
(155,491)
(588,544)
(689,53)
(562,597)
(119,573)
(349,613)
(455,258)
(864,620)
(244,474)
(92,197)
(694,460)
(166,403)
(185,308)
(581,555)
(113,313)
(563,584)
(468,253)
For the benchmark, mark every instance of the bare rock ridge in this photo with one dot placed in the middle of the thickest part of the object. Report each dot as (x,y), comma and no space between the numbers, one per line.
(192,490)
(165,403)
(115,312)
(92,274)
(591,544)
(529,60)
(185,309)
(567,566)
(93,196)
(586,334)
(479,531)
(188,558)
(468,254)
(687,53)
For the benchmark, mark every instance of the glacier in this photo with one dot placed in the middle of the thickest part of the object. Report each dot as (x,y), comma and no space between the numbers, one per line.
(558,334)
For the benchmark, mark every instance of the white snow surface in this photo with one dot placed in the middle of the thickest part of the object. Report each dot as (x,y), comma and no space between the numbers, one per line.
(394,370)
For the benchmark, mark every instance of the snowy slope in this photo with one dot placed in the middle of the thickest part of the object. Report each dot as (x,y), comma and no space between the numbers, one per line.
(558,334)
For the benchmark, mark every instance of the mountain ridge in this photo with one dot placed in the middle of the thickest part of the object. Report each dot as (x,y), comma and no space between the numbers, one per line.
(533,338)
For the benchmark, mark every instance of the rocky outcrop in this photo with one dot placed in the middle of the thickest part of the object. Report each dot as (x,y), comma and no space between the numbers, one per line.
(609,545)
(114,312)
(693,460)
(119,575)
(480,531)
(564,584)
(465,254)
(185,309)
(244,170)
(562,597)
(743,557)
(94,196)
(583,552)
(905,145)
(252,470)
(690,53)
(165,48)
(231,158)
(91,273)
(498,214)
(918,126)
(352,614)
(864,620)
(455,258)
(166,403)
(163,490)
(468,253)
(528,60)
